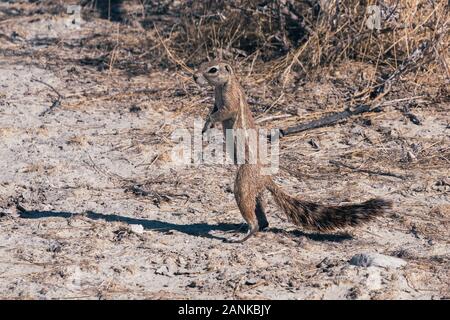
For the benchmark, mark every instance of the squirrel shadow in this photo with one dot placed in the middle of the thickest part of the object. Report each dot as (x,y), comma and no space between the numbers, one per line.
(194,229)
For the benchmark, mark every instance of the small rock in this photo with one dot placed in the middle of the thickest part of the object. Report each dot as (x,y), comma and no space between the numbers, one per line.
(193,284)
(376,260)
(135,108)
(137,228)
(54,247)
(403,253)
(250,282)
(220,276)
(163,270)
(410,156)
(413,118)
(314,144)
(181,261)
(416,147)
(353,293)
(180,93)
(43,291)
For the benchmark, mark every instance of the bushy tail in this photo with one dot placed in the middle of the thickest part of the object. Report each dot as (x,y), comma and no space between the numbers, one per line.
(325,218)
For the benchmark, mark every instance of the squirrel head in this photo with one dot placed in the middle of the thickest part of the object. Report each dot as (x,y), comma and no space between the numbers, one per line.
(215,73)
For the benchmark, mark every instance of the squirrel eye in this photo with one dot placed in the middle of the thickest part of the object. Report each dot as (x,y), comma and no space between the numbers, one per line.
(212,70)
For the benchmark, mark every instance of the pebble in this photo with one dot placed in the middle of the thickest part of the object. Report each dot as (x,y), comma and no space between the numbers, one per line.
(163,270)
(376,260)
(137,228)
(54,247)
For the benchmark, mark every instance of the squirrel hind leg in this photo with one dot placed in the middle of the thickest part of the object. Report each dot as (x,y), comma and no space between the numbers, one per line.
(246,202)
(252,231)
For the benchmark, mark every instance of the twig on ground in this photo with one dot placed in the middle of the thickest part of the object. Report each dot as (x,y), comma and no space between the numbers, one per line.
(269,118)
(56,103)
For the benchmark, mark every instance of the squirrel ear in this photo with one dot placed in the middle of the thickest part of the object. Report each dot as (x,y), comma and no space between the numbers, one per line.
(228,68)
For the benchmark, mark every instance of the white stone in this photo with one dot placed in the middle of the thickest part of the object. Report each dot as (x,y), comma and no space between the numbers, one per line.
(163,270)
(137,228)
(376,260)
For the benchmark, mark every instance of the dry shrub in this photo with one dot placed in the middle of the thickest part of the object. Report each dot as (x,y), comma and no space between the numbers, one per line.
(303,35)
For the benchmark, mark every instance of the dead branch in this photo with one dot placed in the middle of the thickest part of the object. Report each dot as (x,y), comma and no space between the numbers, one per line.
(377,92)
(50,86)
(56,103)
(326,121)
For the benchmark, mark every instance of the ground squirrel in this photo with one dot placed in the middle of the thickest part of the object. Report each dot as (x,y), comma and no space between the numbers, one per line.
(232,110)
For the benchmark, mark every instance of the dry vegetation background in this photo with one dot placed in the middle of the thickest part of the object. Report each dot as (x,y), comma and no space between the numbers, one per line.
(86,116)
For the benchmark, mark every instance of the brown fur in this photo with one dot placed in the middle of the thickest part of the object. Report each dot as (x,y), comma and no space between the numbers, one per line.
(231,109)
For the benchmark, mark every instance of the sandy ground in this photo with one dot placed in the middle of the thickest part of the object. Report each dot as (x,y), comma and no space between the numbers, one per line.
(75,180)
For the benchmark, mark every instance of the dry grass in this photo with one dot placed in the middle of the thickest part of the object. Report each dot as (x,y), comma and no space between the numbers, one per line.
(281,40)
(292,38)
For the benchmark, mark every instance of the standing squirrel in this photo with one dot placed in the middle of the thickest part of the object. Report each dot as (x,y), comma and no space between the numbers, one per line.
(231,108)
